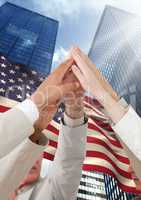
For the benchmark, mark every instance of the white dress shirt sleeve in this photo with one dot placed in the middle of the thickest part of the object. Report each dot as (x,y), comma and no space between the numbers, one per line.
(15,125)
(16,165)
(64,178)
(129,131)
(29,109)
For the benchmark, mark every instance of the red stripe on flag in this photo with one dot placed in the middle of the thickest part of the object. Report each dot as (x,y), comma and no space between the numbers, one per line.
(103,156)
(3,109)
(94,140)
(112,141)
(53,143)
(53,129)
(48,156)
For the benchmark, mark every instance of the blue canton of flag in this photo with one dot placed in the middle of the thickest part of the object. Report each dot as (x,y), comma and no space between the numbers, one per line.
(17,82)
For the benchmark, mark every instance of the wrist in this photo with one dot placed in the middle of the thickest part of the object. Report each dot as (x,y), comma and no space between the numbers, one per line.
(74,112)
(113,107)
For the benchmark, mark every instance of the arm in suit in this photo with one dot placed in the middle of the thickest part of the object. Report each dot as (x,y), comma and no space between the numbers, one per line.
(64,178)
(16,125)
(129,131)
(16,165)
(65,175)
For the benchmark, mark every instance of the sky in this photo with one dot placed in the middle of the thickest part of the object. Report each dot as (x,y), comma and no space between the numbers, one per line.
(78,20)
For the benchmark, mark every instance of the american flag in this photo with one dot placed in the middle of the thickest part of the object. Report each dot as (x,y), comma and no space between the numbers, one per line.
(104,151)
(17,82)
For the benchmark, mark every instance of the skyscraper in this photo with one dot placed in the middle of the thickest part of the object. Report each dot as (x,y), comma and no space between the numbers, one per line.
(113,192)
(27,38)
(116,50)
(92,186)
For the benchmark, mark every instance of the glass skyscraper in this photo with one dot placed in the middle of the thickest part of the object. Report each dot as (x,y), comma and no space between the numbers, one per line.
(92,186)
(113,192)
(116,50)
(27,38)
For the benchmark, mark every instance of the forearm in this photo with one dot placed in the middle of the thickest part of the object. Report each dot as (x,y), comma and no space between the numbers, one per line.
(17,165)
(16,125)
(127,127)
(63,180)
(108,88)
(66,172)
(112,107)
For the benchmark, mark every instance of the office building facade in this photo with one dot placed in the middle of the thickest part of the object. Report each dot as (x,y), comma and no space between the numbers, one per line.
(113,192)
(27,38)
(116,50)
(92,186)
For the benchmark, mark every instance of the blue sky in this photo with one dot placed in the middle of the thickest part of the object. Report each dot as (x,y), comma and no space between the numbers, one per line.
(78,19)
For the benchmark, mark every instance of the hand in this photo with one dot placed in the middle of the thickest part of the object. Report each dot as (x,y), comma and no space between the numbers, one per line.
(74,107)
(52,89)
(91,80)
(94,72)
(48,96)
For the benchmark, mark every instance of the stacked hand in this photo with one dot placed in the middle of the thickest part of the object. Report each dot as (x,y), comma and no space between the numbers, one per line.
(92,80)
(68,82)
(50,93)
(73,100)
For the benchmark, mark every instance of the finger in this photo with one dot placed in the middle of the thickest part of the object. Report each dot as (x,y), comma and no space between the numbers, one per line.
(98,74)
(79,76)
(81,63)
(83,56)
(63,68)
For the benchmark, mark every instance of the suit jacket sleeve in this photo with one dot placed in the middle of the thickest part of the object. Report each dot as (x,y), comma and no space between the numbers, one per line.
(128,130)
(64,178)
(16,165)
(14,128)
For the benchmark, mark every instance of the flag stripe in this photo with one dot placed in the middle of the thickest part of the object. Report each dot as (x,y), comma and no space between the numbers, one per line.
(114,142)
(104,152)
(118,166)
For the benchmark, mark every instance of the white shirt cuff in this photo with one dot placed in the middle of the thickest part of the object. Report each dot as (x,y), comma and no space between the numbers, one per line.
(73,122)
(29,109)
(123,103)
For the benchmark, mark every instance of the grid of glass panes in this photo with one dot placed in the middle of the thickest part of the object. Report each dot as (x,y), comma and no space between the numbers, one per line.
(27,37)
(117,54)
(113,192)
(91,186)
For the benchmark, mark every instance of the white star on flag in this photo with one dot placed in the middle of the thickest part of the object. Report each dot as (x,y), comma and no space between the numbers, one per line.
(3,74)
(2,90)
(12,72)
(3,81)
(11,81)
(19,96)
(3,65)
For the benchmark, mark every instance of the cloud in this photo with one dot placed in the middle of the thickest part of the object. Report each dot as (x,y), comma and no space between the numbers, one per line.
(59,55)
(58,9)
(132,6)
